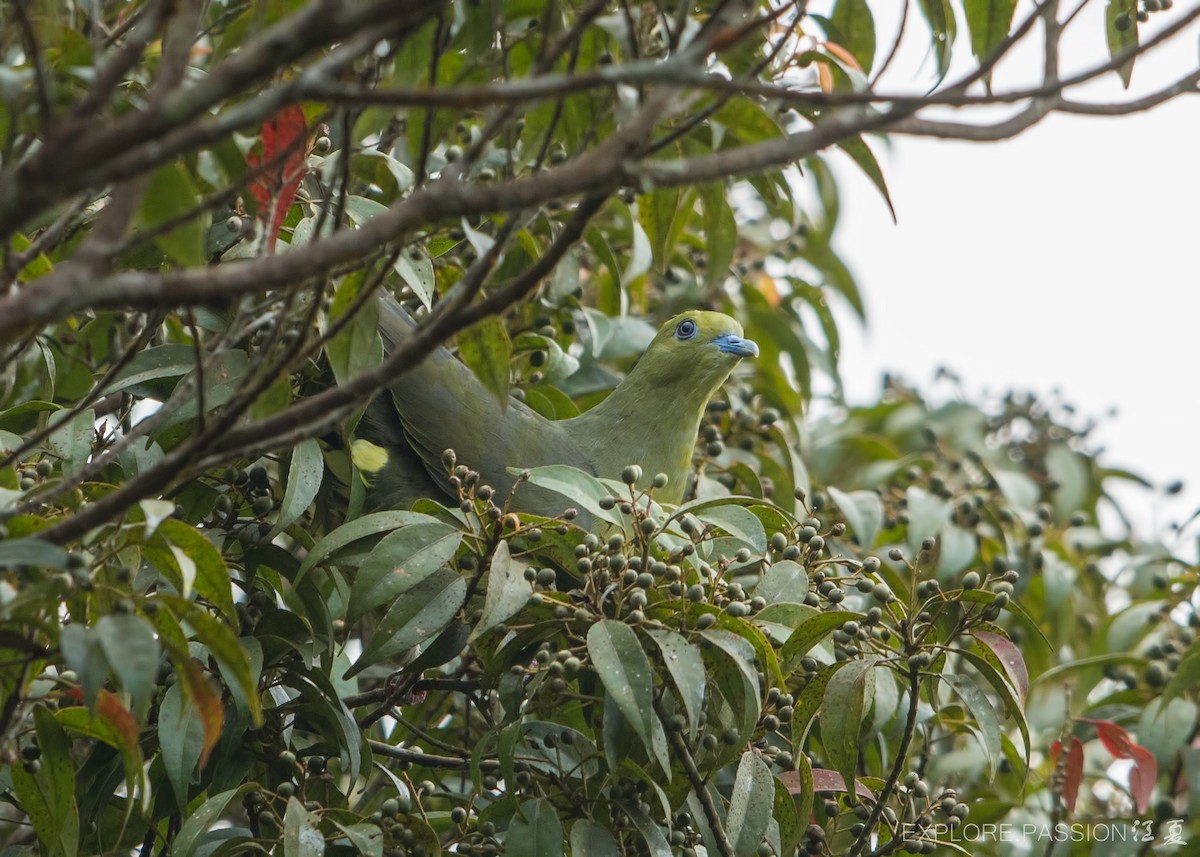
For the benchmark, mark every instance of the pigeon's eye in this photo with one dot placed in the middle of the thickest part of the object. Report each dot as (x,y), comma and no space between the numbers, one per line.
(686,329)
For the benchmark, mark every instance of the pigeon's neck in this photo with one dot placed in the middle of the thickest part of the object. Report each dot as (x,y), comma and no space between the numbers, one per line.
(648,426)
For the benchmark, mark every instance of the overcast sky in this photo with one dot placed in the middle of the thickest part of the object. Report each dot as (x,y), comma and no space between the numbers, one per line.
(1068,257)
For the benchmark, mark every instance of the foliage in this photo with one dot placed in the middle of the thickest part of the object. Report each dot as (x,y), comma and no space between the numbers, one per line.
(862,631)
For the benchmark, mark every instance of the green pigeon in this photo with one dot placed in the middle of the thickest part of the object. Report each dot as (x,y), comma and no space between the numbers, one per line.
(650,419)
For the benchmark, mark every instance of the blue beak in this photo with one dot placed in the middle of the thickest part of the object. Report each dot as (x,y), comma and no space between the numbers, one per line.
(733,344)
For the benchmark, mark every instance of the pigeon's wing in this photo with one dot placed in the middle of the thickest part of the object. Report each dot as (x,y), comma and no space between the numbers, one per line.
(442,405)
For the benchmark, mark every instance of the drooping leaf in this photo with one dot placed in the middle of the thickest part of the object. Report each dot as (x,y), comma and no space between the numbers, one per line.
(627,676)
(750,804)
(535,831)
(842,714)
(1121,29)
(427,608)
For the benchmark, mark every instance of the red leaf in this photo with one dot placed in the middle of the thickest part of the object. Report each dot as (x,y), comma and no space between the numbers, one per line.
(284,148)
(1143,776)
(1055,749)
(1115,739)
(824,780)
(1011,658)
(1073,774)
(207,704)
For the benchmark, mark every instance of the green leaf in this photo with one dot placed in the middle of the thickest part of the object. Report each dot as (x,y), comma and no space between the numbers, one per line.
(810,631)
(720,234)
(301,838)
(180,741)
(784,581)
(399,562)
(132,650)
(1164,728)
(855,31)
(943,28)
(486,349)
(788,818)
(366,838)
(199,563)
(83,653)
(427,608)
(507,590)
(1186,676)
(161,363)
(750,804)
(988,22)
(863,511)
(737,521)
(71,441)
(589,839)
(652,833)
(685,665)
(1005,691)
(356,348)
(35,552)
(985,716)
(48,797)
(1121,41)
(192,834)
(169,194)
(926,516)
(582,489)
(842,714)
(303,482)
(535,831)
(626,674)
(223,645)
(359,528)
(956,550)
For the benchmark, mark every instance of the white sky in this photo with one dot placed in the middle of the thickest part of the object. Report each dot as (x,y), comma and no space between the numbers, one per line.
(1068,257)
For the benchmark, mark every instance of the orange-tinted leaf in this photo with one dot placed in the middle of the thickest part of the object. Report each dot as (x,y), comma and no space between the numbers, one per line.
(1010,658)
(207,704)
(1073,774)
(844,55)
(824,77)
(109,707)
(1143,776)
(284,147)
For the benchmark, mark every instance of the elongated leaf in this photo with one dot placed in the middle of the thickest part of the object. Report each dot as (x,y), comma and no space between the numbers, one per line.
(535,831)
(810,631)
(985,716)
(191,834)
(48,796)
(399,562)
(357,347)
(989,22)
(301,838)
(842,714)
(507,591)
(811,699)
(303,482)
(180,740)
(131,648)
(750,804)
(685,665)
(485,347)
(1004,690)
(626,673)
(863,511)
(589,839)
(1009,658)
(1122,35)
(198,562)
(943,28)
(582,489)
(855,29)
(422,614)
(360,528)
(169,194)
